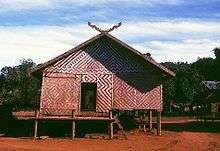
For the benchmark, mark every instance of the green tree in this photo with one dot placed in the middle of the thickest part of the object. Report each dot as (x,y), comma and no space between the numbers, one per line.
(18,88)
(188,85)
(206,68)
(185,87)
(217,53)
(217,63)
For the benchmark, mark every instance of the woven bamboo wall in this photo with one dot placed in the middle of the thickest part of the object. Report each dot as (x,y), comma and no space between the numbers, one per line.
(123,82)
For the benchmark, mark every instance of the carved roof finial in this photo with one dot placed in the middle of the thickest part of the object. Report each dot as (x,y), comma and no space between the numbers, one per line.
(104,31)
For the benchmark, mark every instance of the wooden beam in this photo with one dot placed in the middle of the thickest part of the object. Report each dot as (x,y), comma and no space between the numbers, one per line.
(36,124)
(68,118)
(111,135)
(150,120)
(159,123)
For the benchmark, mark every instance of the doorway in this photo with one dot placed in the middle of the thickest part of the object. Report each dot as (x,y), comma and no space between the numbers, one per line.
(88,96)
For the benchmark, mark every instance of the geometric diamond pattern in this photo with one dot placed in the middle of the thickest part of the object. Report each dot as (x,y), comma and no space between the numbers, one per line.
(100,62)
(60,93)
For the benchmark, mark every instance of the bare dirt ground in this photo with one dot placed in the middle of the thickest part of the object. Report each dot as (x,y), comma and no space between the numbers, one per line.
(137,141)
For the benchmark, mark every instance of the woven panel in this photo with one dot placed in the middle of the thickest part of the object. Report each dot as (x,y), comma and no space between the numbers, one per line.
(100,57)
(56,111)
(149,100)
(124,94)
(97,63)
(60,93)
(104,93)
(129,96)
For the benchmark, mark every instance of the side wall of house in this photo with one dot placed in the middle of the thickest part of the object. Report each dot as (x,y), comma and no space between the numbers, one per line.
(128,97)
(122,82)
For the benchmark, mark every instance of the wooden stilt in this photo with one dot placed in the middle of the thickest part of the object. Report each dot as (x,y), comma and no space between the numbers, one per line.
(144,121)
(110,126)
(73,129)
(144,128)
(159,123)
(150,120)
(36,124)
(139,126)
(140,122)
(73,124)
(35,129)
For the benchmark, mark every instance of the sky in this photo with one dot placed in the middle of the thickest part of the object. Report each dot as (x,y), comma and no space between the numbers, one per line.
(171,30)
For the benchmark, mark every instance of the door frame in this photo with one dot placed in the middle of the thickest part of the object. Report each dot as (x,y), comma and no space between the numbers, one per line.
(89,110)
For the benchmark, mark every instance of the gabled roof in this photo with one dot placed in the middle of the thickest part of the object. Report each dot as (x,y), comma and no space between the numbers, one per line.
(162,68)
(211,85)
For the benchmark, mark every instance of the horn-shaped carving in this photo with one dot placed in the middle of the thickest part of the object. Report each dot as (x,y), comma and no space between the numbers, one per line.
(104,31)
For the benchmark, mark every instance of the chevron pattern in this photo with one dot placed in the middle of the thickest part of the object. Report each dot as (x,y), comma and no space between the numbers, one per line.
(124,95)
(127,97)
(100,62)
(104,93)
(89,78)
(101,57)
(149,100)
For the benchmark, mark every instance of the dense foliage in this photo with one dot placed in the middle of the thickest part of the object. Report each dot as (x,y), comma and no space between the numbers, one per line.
(187,86)
(17,88)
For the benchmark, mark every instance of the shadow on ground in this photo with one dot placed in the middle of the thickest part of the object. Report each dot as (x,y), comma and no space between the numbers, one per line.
(62,129)
(25,128)
(213,127)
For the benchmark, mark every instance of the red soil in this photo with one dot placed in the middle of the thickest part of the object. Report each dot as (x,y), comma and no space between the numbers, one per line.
(169,141)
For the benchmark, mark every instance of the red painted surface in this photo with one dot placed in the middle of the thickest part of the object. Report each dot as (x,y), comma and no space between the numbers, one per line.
(122,81)
(128,97)
(60,95)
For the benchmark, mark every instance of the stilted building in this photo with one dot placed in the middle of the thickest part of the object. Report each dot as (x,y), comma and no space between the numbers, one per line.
(98,76)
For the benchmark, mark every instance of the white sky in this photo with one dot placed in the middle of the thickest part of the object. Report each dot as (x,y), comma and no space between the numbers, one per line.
(167,39)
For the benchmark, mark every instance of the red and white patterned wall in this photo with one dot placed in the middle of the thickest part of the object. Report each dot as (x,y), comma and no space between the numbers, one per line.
(106,64)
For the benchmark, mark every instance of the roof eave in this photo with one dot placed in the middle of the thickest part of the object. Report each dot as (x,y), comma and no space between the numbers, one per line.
(38,70)
(159,66)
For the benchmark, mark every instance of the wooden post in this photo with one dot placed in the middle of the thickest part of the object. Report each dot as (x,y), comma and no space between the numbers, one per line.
(140,122)
(144,127)
(36,124)
(110,125)
(73,124)
(150,120)
(159,123)
(139,126)
(144,121)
